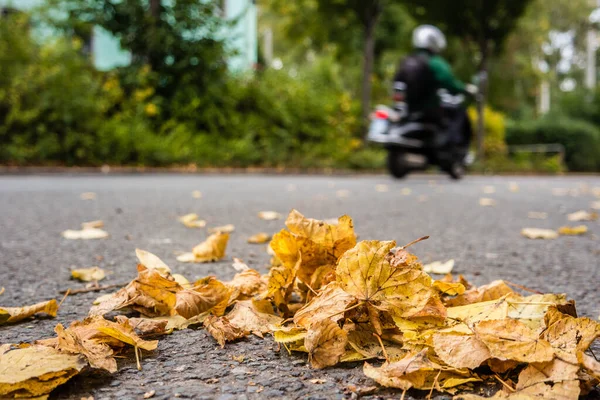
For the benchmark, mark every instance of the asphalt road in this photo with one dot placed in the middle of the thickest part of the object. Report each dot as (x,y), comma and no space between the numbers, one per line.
(141,211)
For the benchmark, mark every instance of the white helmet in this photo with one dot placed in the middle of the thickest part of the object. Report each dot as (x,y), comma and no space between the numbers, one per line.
(429,37)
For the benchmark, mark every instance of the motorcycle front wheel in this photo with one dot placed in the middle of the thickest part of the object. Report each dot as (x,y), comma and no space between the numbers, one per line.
(396,164)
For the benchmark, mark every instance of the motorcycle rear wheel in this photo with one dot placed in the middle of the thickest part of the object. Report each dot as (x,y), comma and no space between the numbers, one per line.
(396,164)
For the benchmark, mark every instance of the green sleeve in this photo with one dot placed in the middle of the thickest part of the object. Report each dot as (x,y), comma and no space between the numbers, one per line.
(444,76)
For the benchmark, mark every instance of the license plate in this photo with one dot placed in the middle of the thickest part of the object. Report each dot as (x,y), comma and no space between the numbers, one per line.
(415,159)
(378,126)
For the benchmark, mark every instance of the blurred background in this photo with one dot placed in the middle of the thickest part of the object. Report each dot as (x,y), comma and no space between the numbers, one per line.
(280,83)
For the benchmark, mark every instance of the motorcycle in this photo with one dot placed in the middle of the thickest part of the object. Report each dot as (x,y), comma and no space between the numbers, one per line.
(414,143)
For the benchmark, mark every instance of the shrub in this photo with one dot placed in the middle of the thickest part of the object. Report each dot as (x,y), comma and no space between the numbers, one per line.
(51,98)
(580,139)
(495,131)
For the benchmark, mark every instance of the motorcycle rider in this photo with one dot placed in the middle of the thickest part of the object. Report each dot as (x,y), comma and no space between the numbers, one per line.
(424,72)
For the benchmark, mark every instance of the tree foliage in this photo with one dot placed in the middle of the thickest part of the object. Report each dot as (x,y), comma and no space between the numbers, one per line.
(179,40)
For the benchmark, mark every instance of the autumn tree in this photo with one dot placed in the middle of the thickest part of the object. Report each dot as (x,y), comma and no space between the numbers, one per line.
(179,40)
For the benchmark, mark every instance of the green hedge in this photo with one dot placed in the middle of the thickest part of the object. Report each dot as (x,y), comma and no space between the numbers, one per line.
(56,109)
(581,139)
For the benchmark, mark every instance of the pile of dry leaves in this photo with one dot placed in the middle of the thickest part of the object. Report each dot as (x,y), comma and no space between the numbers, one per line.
(337,301)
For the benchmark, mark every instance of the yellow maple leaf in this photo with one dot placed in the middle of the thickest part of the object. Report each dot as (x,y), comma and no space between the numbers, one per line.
(570,337)
(338,238)
(509,339)
(366,273)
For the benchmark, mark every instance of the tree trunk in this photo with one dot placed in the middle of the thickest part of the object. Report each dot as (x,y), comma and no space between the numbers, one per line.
(368,61)
(155,8)
(483,87)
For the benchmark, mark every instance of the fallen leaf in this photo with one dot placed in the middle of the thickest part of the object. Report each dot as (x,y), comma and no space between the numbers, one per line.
(325,342)
(536,233)
(92,224)
(36,370)
(239,359)
(97,330)
(595,205)
(405,191)
(269,215)
(382,188)
(149,394)
(329,304)
(151,293)
(196,194)
(552,380)
(570,337)
(342,193)
(513,187)
(2,290)
(222,229)
(537,215)
(88,274)
(509,339)
(487,202)
(98,354)
(417,371)
(192,221)
(87,196)
(9,315)
(449,288)
(489,189)
(317,381)
(460,350)
(145,326)
(222,330)
(365,272)
(182,280)
(151,261)
(207,295)
(492,291)
(573,230)
(212,249)
(239,265)
(438,267)
(178,322)
(85,234)
(582,216)
(259,238)
(245,285)
(247,317)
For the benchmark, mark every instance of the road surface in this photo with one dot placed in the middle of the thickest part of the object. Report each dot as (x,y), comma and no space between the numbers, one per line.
(141,211)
